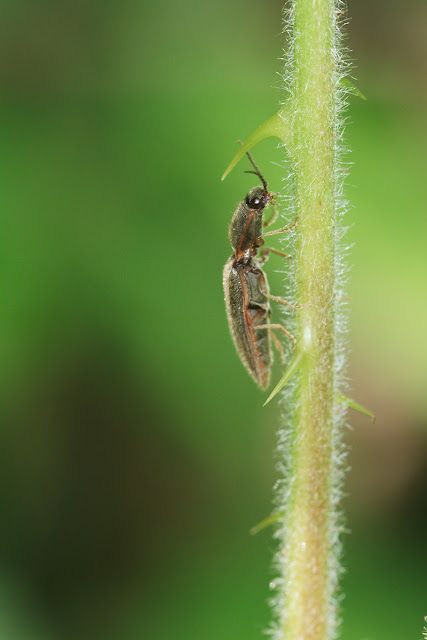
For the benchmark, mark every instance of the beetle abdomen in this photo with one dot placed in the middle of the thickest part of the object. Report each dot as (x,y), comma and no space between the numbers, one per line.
(247,307)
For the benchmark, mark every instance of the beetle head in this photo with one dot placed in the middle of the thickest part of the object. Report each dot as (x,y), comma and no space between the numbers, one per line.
(257,198)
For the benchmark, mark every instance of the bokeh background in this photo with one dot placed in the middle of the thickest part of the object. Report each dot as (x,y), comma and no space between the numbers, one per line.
(135,455)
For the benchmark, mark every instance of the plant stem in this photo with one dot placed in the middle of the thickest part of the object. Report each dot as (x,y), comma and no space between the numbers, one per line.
(310,534)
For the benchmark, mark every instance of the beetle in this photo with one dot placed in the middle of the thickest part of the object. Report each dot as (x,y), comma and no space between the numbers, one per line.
(245,231)
(246,290)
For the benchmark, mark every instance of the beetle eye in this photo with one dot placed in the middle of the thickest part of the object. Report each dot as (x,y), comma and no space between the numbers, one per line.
(254,203)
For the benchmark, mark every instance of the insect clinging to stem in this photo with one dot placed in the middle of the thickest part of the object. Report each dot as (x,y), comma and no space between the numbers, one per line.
(247,294)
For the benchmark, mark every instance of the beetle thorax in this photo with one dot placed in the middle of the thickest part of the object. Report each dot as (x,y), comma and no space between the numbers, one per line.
(245,231)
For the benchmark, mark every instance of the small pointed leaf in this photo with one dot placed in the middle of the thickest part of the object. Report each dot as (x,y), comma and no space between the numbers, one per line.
(274,126)
(267,522)
(352,88)
(356,406)
(294,365)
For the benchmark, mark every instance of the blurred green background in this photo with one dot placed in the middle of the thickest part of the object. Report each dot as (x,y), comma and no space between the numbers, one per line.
(135,455)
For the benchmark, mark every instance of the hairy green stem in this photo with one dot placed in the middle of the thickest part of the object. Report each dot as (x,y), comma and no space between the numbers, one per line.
(309,537)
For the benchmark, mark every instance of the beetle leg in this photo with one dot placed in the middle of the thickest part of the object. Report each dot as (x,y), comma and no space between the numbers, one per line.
(282,301)
(277,231)
(273,218)
(278,326)
(263,256)
(254,317)
(277,252)
(278,344)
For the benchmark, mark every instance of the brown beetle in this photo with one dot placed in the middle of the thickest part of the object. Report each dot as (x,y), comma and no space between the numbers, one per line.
(246,287)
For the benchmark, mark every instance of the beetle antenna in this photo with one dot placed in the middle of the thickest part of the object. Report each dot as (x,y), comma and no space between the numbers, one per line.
(257,172)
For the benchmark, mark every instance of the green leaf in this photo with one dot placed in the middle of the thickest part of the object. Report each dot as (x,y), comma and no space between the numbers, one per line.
(352,88)
(274,126)
(356,406)
(267,522)
(294,365)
